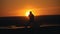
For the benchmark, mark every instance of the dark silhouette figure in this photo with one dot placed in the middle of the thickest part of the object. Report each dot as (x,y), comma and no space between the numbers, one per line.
(35,25)
(31,17)
(31,20)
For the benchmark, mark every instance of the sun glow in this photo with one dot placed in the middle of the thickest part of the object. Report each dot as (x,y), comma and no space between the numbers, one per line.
(28,11)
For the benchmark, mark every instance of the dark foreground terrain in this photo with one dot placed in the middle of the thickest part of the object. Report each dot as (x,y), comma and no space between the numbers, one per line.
(42,30)
(21,20)
(39,20)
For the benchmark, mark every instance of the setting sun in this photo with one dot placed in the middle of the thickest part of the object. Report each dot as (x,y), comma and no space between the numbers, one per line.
(28,11)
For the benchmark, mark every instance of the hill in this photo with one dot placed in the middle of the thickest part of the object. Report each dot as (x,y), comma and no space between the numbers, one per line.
(21,20)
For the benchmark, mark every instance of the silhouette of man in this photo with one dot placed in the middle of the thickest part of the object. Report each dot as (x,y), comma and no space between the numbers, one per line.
(31,17)
(35,26)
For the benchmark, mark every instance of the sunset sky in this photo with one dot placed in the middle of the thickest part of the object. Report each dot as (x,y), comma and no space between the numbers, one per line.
(20,7)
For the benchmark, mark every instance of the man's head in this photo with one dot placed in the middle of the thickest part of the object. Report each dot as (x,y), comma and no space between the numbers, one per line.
(30,12)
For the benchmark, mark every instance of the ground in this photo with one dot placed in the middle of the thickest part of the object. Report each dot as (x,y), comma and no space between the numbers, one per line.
(42,30)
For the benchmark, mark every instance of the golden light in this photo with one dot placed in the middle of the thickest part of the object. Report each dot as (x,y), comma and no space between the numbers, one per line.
(28,11)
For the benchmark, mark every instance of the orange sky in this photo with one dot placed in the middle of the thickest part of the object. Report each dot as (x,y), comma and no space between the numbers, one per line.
(20,7)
